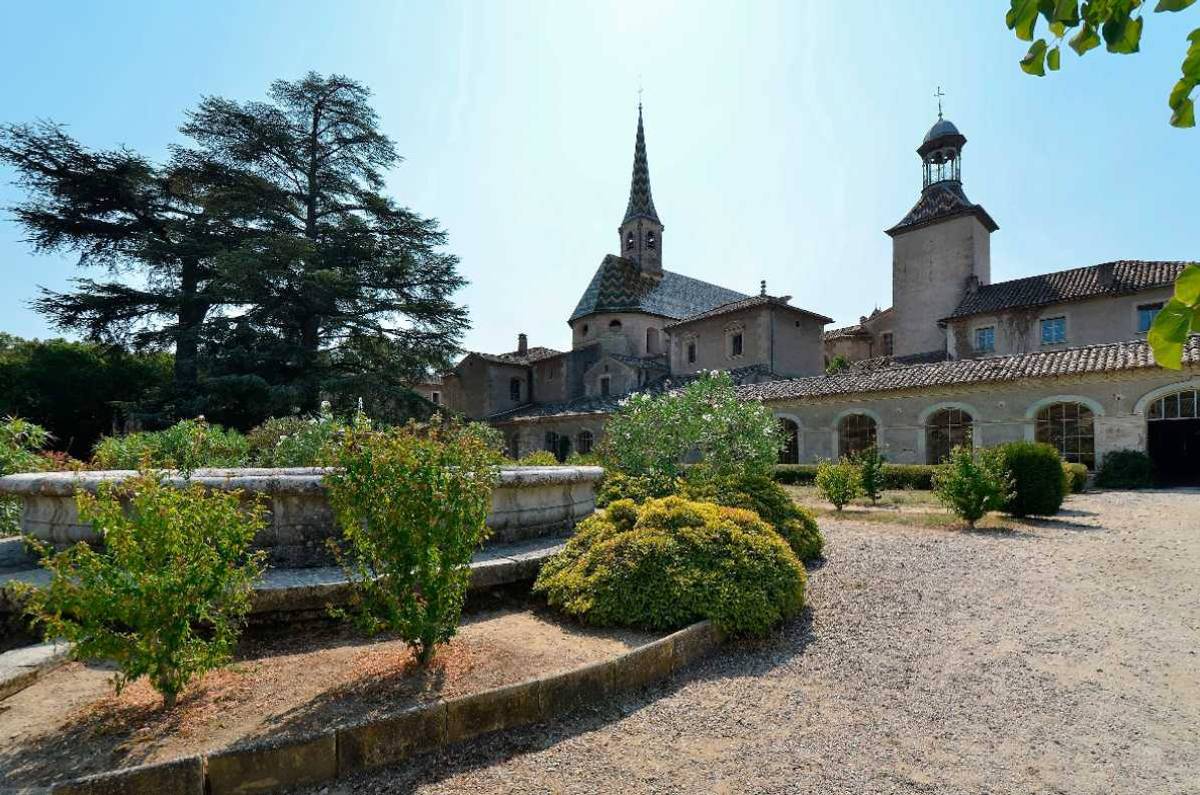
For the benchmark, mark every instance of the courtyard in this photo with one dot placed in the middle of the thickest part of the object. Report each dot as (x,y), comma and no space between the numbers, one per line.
(1058,656)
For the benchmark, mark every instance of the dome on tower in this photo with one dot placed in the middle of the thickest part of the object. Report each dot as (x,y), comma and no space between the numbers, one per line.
(942,128)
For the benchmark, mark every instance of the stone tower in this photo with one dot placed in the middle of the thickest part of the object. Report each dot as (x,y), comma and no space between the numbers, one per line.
(641,231)
(940,249)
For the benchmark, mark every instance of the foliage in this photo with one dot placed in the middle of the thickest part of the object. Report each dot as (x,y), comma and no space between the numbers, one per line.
(870,473)
(971,483)
(895,476)
(1125,469)
(20,442)
(1120,24)
(839,482)
(774,506)
(186,445)
(76,390)
(167,595)
(837,364)
(300,441)
(1178,318)
(1037,478)
(702,433)
(670,562)
(412,503)
(1077,475)
(538,458)
(578,459)
(619,486)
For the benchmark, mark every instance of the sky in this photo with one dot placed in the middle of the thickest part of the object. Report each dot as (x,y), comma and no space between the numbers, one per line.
(781,136)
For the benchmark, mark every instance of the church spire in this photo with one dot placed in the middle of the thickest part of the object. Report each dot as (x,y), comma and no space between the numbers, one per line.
(641,203)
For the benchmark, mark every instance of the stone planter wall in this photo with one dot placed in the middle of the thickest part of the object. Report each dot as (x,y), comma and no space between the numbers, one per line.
(528,502)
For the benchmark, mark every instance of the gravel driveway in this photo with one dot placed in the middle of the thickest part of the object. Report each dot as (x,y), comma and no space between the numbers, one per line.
(1064,658)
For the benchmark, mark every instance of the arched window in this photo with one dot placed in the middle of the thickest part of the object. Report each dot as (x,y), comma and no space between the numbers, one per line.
(1070,429)
(584,442)
(790,452)
(629,240)
(552,442)
(945,430)
(856,434)
(514,389)
(614,325)
(650,240)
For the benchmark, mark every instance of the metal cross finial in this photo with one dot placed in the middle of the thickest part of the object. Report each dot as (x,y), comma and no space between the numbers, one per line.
(639,92)
(939,96)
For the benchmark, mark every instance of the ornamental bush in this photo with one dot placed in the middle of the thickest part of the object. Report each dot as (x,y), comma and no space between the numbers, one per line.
(412,503)
(1125,469)
(774,506)
(167,595)
(973,483)
(20,445)
(870,473)
(1077,475)
(300,441)
(1037,478)
(895,476)
(186,445)
(670,562)
(538,458)
(838,482)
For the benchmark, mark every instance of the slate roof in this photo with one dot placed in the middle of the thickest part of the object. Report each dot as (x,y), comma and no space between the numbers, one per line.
(641,203)
(607,405)
(1111,357)
(534,354)
(938,202)
(748,303)
(620,286)
(1108,278)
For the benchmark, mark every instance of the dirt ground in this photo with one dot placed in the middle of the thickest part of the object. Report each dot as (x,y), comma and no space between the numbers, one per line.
(70,723)
(1058,657)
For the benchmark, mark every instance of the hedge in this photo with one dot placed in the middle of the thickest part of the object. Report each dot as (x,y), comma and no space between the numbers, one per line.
(895,476)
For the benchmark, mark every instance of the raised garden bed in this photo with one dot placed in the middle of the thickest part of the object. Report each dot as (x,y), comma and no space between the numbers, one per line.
(338,701)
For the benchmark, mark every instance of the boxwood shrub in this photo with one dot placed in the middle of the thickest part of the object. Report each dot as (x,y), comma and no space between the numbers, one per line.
(895,476)
(1077,475)
(669,562)
(1125,469)
(1038,478)
(774,506)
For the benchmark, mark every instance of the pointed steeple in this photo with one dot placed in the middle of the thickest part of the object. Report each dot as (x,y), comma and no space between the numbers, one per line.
(641,203)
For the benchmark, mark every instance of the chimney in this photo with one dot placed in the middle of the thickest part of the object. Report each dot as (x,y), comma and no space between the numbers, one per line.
(1106,274)
(522,344)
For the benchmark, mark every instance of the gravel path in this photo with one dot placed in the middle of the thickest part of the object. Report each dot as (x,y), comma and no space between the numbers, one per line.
(1062,658)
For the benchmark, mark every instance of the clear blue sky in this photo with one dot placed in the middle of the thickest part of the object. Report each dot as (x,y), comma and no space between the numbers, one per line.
(781,136)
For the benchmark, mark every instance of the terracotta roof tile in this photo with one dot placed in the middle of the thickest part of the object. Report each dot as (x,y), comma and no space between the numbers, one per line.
(748,303)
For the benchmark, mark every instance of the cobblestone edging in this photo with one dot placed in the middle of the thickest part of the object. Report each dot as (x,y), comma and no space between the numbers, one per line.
(268,767)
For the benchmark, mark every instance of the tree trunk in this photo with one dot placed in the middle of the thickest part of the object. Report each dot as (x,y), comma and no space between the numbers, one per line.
(192,312)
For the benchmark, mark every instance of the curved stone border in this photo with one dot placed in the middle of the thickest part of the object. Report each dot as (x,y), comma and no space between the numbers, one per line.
(269,766)
(19,668)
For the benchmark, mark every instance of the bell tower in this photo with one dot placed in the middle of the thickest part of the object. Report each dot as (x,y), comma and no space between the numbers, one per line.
(641,231)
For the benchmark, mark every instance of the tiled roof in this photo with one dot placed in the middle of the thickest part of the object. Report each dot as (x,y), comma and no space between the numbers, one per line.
(1112,357)
(648,362)
(641,203)
(609,404)
(1108,278)
(857,330)
(938,202)
(748,303)
(620,286)
(534,354)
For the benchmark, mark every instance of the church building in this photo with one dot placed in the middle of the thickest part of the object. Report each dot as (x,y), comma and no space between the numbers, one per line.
(957,359)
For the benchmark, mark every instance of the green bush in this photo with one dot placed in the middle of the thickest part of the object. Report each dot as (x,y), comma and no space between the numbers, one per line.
(619,486)
(670,562)
(538,458)
(167,595)
(20,445)
(1125,469)
(1037,477)
(895,476)
(774,506)
(870,473)
(972,483)
(838,482)
(1077,475)
(186,445)
(300,441)
(412,504)
(578,459)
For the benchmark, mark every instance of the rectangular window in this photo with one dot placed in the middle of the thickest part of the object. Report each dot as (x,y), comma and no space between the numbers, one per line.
(436,397)
(889,344)
(985,339)
(735,345)
(1054,330)
(514,389)
(691,348)
(605,386)
(1145,315)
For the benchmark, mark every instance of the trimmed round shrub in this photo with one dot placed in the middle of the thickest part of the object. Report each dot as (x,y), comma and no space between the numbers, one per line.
(670,562)
(838,482)
(1037,476)
(775,507)
(1077,475)
(538,458)
(1125,469)
(895,476)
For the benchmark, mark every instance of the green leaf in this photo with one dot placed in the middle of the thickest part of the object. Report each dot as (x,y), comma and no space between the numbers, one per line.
(1187,286)
(1184,115)
(1173,5)
(1052,58)
(1034,61)
(1066,12)
(1122,34)
(1169,332)
(1022,18)
(1086,39)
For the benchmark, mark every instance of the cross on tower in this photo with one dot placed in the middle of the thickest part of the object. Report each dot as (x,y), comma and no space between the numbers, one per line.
(639,92)
(939,96)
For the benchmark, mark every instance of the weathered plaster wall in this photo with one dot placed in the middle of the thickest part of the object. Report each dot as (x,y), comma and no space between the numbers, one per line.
(629,339)
(770,336)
